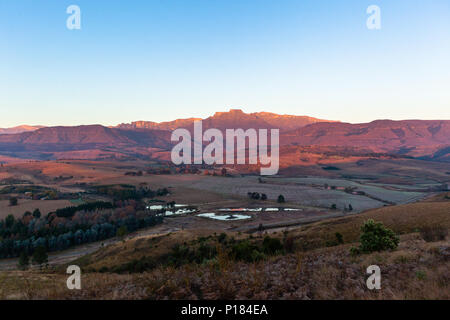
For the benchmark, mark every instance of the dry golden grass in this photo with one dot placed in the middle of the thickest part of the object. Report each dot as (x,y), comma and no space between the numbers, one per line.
(402,219)
(417,270)
(154,246)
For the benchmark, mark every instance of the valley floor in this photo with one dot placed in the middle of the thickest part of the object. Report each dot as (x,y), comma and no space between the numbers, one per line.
(403,195)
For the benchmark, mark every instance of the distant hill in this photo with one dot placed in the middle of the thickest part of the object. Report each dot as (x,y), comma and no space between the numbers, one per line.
(45,142)
(67,136)
(409,137)
(19,129)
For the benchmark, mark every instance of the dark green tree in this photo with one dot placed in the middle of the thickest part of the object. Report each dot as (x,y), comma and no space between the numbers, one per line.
(40,255)
(122,231)
(281,199)
(37,213)
(13,201)
(272,245)
(24,261)
(9,221)
(260,227)
(339,238)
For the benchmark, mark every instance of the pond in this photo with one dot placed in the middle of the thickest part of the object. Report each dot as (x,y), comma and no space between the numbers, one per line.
(241,210)
(160,206)
(230,217)
(258,209)
(178,212)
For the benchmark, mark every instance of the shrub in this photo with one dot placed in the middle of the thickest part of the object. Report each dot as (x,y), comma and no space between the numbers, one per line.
(243,250)
(281,199)
(376,237)
(24,261)
(103,269)
(180,255)
(421,275)
(434,233)
(204,253)
(122,232)
(272,245)
(289,244)
(222,237)
(37,213)
(9,221)
(339,238)
(13,201)
(257,255)
(40,255)
(354,251)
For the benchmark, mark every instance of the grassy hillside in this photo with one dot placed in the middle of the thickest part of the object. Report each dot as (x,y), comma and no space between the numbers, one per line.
(402,219)
(309,265)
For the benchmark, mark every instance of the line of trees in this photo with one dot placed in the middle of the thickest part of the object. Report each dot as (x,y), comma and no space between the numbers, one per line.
(89,223)
(257,196)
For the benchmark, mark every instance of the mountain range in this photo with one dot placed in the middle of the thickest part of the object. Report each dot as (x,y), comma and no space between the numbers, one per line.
(424,139)
(234,118)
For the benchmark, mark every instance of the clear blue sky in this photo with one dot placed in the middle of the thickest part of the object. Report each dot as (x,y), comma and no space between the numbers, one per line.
(166,59)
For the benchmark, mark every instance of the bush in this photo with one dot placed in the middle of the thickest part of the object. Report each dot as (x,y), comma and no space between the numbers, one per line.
(122,232)
(434,233)
(24,261)
(281,199)
(339,238)
(354,251)
(257,255)
(289,244)
(421,275)
(272,245)
(40,255)
(37,213)
(243,251)
(13,201)
(222,237)
(376,237)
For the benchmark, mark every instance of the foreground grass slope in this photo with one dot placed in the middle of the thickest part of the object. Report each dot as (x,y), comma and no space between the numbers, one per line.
(310,265)
(402,219)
